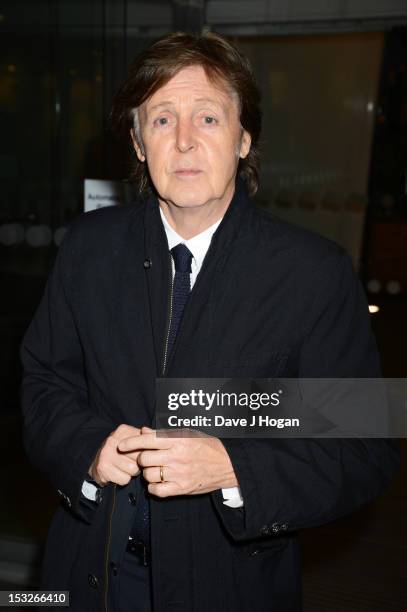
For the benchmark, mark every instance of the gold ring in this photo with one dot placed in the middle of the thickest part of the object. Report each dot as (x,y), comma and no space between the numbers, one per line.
(161,473)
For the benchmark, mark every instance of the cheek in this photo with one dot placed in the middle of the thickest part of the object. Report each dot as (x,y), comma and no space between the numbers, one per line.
(156,158)
(223,156)
(155,143)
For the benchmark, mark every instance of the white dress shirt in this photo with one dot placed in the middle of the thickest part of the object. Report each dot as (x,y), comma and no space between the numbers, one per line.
(198,245)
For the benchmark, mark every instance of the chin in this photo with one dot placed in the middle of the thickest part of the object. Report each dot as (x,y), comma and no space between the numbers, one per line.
(189,197)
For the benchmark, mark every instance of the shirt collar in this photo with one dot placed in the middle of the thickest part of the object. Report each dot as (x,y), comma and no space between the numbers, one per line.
(198,245)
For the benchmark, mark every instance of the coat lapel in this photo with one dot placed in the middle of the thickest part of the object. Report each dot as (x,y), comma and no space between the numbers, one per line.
(157,265)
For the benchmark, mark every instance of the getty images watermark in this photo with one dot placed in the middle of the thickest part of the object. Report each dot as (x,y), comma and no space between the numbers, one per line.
(282,407)
(218,400)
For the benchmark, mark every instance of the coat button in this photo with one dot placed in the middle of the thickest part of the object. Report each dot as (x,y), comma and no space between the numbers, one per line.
(93,581)
(132,499)
(265,530)
(147,263)
(115,569)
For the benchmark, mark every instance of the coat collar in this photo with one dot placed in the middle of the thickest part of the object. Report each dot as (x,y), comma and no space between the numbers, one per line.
(231,226)
(198,244)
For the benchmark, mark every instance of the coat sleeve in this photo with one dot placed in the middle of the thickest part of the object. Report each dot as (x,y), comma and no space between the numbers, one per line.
(289,484)
(61,432)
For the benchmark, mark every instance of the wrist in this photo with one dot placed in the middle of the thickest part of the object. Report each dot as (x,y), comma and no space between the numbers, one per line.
(228,479)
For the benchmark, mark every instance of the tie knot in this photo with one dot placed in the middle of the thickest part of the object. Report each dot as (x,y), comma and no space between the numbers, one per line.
(182,258)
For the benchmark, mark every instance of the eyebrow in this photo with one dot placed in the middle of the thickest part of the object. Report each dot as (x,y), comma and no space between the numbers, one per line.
(171,103)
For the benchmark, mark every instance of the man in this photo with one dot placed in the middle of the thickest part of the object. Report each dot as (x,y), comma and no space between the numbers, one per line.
(216,529)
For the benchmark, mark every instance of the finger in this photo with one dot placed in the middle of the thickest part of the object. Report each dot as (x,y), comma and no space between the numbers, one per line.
(164,489)
(146,441)
(126,465)
(153,474)
(109,465)
(131,454)
(115,475)
(147,430)
(148,458)
(125,431)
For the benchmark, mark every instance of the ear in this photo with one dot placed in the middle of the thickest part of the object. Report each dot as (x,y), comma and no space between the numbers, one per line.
(245,144)
(138,149)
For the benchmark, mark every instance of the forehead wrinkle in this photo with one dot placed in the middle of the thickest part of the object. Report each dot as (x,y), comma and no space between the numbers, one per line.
(195,101)
(207,100)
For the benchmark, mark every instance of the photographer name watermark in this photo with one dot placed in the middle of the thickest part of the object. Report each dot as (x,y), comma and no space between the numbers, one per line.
(218,420)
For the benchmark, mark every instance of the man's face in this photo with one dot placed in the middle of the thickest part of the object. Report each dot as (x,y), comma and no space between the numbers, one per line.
(192,140)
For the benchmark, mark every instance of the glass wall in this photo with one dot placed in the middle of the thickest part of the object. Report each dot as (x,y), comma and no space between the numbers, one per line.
(319,101)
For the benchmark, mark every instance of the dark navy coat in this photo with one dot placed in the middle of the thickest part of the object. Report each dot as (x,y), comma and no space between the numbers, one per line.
(270,300)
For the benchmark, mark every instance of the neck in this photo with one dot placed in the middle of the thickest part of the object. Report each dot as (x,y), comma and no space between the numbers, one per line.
(191,221)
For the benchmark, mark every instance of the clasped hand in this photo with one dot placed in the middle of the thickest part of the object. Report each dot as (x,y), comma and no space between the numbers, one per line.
(188,465)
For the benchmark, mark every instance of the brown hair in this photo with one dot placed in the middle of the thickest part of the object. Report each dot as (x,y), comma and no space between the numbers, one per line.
(155,66)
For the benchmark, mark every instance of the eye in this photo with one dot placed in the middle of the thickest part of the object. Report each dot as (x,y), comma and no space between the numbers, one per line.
(208,120)
(161,121)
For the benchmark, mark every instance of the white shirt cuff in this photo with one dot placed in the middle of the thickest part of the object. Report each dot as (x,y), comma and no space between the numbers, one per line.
(232,497)
(89,490)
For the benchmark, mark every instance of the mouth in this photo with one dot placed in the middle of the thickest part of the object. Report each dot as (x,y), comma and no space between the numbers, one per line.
(187,172)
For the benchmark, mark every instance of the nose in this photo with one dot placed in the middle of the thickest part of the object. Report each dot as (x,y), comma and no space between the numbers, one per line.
(185,139)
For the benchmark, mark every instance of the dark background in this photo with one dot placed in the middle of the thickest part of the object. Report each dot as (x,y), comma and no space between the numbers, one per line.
(334,83)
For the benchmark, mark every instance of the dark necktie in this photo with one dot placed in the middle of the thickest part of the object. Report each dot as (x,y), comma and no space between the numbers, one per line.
(181,289)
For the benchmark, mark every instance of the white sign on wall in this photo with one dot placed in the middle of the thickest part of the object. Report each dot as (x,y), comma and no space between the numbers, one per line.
(99,193)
